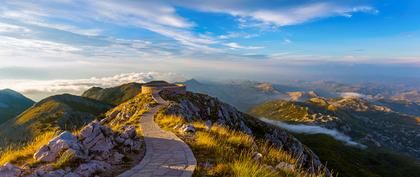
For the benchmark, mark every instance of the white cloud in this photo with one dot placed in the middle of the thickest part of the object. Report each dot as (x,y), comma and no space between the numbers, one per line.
(9,28)
(281,13)
(234,45)
(10,46)
(38,89)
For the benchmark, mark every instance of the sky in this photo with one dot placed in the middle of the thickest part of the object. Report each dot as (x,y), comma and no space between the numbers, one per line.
(361,40)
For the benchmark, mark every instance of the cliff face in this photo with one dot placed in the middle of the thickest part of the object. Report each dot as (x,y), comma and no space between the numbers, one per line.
(194,106)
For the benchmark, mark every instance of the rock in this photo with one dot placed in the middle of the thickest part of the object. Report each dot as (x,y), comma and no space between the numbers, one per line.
(257,156)
(56,173)
(285,166)
(208,124)
(188,129)
(50,152)
(117,158)
(269,167)
(119,139)
(129,132)
(9,170)
(71,174)
(92,167)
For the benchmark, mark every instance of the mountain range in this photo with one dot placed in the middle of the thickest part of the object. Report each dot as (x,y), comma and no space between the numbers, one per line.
(386,129)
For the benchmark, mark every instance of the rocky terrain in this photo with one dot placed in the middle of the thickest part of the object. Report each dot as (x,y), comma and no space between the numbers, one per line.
(194,106)
(12,104)
(96,150)
(373,125)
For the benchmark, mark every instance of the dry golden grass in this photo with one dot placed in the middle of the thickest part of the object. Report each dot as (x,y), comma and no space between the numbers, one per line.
(230,152)
(24,153)
(28,115)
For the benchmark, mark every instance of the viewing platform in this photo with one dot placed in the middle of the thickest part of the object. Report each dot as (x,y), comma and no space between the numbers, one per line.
(156,86)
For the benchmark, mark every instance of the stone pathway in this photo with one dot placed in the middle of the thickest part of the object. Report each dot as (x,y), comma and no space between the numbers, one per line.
(166,154)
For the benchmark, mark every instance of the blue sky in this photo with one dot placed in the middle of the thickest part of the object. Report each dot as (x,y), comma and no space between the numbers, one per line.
(67,39)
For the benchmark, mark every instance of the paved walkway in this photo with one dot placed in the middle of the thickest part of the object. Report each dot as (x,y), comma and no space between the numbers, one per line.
(166,154)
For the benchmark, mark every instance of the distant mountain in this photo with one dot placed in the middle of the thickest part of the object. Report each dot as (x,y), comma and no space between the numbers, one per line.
(302,96)
(60,112)
(113,95)
(402,106)
(370,124)
(411,95)
(12,104)
(241,94)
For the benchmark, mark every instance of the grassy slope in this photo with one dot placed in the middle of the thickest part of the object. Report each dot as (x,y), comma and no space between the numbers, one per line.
(22,153)
(229,152)
(349,161)
(61,112)
(114,95)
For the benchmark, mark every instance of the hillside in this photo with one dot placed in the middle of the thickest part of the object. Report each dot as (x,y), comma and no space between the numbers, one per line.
(12,104)
(367,123)
(60,112)
(236,144)
(114,95)
(241,94)
(199,110)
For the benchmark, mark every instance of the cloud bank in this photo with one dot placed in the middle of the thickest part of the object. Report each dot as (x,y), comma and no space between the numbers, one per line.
(310,129)
(38,89)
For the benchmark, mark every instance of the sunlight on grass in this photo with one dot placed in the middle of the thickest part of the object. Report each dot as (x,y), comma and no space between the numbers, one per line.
(246,167)
(229,152)
(24,153)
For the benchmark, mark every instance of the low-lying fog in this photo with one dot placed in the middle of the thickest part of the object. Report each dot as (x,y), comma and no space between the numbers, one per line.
(312,129)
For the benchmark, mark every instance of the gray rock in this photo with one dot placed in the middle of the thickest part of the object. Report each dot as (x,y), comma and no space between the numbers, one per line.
(92,167)
(285,166)
(208,124)
(129,132)
(50,152)
(188,129)
(257,156)
(56,173)
(117,158)
(71,174)
(9,170)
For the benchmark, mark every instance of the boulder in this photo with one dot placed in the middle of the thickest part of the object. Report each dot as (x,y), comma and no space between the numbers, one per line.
(9,170)
(129,132)
(188,129)
(257,156)
(92,167)
(71,174)
(208,124)
(285,166)
(56,173)
(50,152)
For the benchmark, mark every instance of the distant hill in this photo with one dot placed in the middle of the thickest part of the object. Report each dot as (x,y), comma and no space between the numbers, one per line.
(370,124)
(60,112)
(114,95)
(241,94)
(12,104)
(402,106)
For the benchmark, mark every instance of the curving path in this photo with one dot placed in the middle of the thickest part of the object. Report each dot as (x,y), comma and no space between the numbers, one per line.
(166,154)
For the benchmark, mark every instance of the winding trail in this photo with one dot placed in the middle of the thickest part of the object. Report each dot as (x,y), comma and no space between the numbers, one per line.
(166,154)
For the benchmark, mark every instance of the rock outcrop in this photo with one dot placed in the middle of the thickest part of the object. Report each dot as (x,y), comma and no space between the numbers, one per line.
(94,151)
(193,106)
